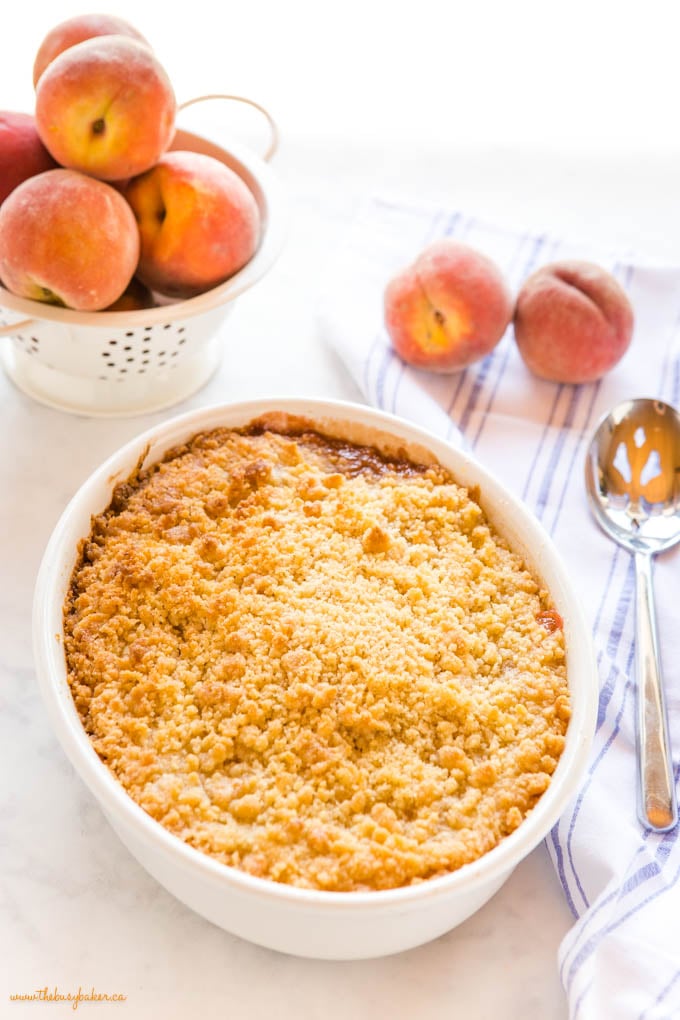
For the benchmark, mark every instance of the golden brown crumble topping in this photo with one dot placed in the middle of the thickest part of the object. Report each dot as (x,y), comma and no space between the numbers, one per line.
(313,663)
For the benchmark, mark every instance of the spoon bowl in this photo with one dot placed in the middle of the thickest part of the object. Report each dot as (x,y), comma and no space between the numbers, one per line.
(633,484)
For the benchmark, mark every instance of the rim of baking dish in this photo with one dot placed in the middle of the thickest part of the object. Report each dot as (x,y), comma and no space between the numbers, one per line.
(516,520)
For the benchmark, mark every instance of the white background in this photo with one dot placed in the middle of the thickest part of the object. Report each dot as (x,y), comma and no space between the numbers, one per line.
(539,114)
(538,107)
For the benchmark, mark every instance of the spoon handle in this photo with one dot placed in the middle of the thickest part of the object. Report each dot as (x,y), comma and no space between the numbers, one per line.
(657,800)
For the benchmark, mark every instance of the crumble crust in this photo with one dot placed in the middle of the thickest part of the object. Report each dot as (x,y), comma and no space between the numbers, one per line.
(313,663)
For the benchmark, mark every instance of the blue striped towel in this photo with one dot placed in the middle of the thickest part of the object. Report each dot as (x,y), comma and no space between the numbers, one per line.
(621,958)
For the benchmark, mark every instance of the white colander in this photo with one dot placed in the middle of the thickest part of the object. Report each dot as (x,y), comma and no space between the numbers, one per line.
(133,362)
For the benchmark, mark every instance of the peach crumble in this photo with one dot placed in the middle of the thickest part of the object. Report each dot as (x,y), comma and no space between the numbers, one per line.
(315,663)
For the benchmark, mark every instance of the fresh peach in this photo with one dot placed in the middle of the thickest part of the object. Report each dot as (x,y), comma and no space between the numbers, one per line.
(573,322)
(106,106)
(22,154)
(67,239)
(198,222)
(78,29)
(448,309)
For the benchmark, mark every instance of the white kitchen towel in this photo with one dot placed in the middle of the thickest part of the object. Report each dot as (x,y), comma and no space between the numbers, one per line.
(621,959)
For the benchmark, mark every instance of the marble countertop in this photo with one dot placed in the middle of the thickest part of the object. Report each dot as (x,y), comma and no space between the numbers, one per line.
(75,908)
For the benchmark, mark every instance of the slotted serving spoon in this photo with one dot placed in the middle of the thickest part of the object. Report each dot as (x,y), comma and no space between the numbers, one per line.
(633,482)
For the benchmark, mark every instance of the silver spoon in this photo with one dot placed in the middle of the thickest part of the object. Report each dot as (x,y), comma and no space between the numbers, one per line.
(633,482)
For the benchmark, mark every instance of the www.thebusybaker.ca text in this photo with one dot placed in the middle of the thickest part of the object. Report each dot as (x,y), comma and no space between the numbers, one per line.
(75,998)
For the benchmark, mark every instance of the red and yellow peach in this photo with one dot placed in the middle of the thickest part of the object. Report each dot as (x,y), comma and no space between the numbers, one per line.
(67,239)
(199,223)
(22,154)
(106,107)
(573,322)
(448,309)
(76,30)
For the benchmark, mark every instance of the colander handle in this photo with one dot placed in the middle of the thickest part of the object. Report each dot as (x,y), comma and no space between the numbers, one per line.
(14,326)
(273,128)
